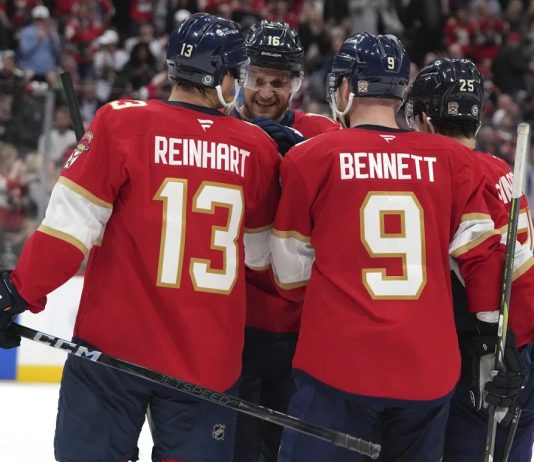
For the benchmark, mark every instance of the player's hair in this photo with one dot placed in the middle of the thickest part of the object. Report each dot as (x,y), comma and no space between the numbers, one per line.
(275,45)
(203,48)
(447,90)
(456,128)
(188,86)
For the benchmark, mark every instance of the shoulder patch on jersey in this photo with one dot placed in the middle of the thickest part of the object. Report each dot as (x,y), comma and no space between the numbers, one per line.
(83,145)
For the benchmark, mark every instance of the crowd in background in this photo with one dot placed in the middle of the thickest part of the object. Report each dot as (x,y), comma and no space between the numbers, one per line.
(116,48)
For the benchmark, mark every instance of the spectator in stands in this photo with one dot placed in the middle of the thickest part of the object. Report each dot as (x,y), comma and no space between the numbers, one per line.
(88,100)
(11,88)
(108,60)
(53,144)
(489,31)
(39,47)
(510,66)
(459,29)
(137,72)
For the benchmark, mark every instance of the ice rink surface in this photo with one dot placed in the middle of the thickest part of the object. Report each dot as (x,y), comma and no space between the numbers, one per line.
(28,420)
(27,435)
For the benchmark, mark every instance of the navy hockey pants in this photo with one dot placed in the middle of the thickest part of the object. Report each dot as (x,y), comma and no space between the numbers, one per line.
(102,410)
(409,431)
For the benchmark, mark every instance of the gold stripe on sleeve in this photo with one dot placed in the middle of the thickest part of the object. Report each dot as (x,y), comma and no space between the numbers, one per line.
(291,234)
(475,217)
(258,230)
(83,192)
(465,248)
(523,269)
(64,237)
(290,285)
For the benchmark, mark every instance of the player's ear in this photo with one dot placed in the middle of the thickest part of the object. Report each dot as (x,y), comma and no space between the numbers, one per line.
(344,88)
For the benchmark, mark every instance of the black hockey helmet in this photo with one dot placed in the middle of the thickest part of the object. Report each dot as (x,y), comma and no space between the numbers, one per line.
(203,48)
(375,65)
(275,45)
(447,89)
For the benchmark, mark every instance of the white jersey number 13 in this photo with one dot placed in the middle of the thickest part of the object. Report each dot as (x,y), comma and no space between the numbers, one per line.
(173,194)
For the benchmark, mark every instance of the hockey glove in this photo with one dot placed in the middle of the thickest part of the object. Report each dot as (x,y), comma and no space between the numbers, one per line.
(11,304)
(285,137)
(478,359)
(503,389)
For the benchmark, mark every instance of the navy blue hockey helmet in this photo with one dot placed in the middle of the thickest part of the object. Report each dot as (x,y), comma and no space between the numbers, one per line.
(275,45)
(450,89)
(203,48)
(375,65)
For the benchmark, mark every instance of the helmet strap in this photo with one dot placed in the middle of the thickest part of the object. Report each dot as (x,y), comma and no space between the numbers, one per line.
(340,115)
(296,82)
(228,107)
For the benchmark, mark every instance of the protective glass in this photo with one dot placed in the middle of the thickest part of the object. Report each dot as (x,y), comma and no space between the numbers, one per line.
(278,81)
(240,71)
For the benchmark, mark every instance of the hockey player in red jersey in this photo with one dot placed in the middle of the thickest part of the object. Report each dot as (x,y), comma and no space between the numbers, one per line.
(446,98)
(367,220)
(170,200)
(275,75)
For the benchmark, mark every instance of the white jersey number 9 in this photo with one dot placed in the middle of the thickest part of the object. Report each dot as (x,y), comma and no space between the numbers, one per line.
(408,244)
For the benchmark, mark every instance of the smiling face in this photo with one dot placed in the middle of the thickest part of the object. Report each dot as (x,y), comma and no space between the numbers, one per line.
(267,93)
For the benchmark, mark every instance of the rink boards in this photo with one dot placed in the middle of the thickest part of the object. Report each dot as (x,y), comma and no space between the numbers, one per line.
(32,362)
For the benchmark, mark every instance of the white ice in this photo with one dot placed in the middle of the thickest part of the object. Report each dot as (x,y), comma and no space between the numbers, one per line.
(28,421)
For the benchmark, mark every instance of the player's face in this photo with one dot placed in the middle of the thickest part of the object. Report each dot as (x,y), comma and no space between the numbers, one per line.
(267,92)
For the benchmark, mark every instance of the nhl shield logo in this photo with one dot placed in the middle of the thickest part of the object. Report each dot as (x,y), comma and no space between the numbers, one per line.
(218,432)
(452,108)
(207,79)
(363,86)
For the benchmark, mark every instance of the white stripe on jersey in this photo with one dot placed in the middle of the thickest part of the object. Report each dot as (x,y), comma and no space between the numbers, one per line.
(474,229)
(72,214)
(257,252)
(292,258)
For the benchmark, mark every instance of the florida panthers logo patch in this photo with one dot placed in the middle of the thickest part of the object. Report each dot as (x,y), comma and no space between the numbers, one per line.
(83,145)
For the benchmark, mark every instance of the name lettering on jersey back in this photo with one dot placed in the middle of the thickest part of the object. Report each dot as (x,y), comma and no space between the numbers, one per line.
(504,187)
(386,165)
(199,153)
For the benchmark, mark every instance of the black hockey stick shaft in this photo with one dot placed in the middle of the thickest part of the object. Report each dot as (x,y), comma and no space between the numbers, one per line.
(523,130)
(72,103)
(511,434)
(340,439)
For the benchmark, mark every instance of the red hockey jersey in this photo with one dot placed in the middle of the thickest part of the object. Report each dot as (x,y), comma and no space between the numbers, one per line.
(171,200)
(266,309)
(499,193)
(368,217)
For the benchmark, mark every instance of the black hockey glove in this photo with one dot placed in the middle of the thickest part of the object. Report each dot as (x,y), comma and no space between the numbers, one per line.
(285,137)
(11,304)
(478,360)
(503,389)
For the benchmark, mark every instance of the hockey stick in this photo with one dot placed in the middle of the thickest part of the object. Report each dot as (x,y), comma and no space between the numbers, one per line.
(72,103)
(511,236)
(342,440)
